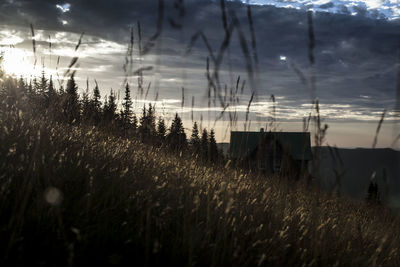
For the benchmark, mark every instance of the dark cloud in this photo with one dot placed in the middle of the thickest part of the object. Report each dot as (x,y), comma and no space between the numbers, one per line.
(327,5)
(355,55)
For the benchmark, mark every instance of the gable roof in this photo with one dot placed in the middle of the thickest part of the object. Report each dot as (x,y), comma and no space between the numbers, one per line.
(297,144)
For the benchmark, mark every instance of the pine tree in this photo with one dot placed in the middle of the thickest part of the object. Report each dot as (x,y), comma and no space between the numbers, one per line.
(176,137)
(204,144)
(213,148)
(50,94)
(36,86)
(71,106)
(41,87)
(151,120)
(110,107)
(161,129)
(50,89)
(195,139)
(95,106)
(147,128)
(134,123)
(126,112)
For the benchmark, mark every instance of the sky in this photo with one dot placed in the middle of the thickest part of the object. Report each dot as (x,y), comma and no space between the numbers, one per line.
(356,53)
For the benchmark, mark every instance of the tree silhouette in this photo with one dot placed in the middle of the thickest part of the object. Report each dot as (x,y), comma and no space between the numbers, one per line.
(95,106)
(213,148)
(126,112)
(41,87)
(161,129)
(71,107)
(194,141)
(147,128)
(204,144)
(176,137)
(110,108)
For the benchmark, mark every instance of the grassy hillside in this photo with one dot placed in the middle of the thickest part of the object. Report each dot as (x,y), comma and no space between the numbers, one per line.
(75,195)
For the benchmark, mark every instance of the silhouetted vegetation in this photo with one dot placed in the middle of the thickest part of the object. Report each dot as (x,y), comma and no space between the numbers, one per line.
(86,182)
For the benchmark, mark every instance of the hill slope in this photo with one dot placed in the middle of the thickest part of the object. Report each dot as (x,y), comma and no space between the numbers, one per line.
(76,195)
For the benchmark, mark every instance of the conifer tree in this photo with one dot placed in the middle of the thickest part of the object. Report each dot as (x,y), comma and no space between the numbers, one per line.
(110,108)
(176,137)
(204,144)
(134,123)
(50,89)
(147,126)
(151,120)
(95,106)
(195,139)
(126,112)
(41,86)
(71,108)
(213,148)
(161,129)
(35,85)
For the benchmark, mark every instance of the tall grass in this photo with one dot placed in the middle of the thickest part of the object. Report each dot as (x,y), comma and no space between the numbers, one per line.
(74,195)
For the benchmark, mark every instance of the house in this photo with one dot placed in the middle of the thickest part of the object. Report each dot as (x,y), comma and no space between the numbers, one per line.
(271,152)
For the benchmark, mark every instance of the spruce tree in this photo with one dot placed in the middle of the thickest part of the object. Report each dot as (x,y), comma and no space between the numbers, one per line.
(176,137)
(42,85)
(213,148)
(204,144)
(95,106)
(126,112)
(161,129)
(151,120)
(71,108)
(50,89)
(147,128)
(134,123)
(195,139)
(110,108)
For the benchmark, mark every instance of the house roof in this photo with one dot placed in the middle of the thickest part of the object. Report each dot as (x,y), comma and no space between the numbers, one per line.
(297,144)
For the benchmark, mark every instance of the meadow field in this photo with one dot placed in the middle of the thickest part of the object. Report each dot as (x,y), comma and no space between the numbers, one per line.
(76,194)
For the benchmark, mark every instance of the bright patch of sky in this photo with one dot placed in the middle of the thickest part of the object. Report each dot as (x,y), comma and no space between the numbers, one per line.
(389,9)
(64,7)
(8,38)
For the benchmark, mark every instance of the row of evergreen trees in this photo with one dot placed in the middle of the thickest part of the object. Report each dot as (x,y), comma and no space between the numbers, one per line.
(68,106)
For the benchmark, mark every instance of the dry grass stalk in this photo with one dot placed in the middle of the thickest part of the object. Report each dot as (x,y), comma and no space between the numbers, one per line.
(378,129)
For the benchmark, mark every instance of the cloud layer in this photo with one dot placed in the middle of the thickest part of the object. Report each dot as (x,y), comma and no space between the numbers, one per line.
(355,54)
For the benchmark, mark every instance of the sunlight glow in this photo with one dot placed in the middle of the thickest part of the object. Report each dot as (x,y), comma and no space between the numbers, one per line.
(18,62)
(9,38)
